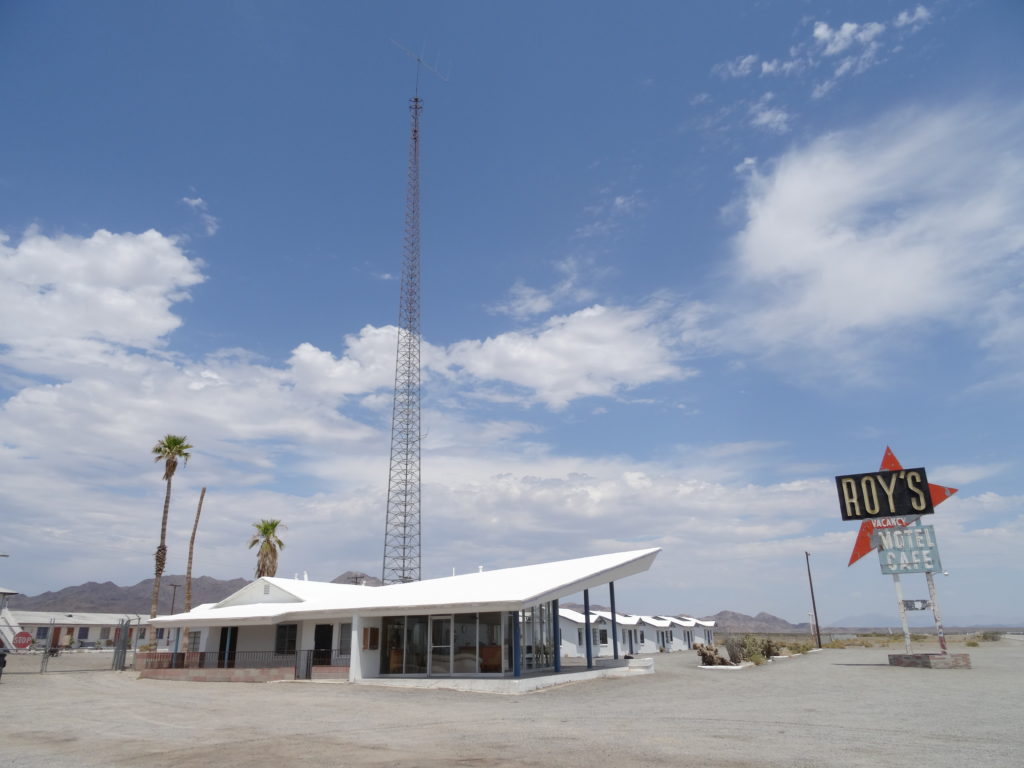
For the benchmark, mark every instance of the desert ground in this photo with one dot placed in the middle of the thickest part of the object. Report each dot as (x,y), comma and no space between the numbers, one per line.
(835,707)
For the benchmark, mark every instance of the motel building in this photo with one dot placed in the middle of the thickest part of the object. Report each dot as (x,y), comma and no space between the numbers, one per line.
(634,634)
(492,625)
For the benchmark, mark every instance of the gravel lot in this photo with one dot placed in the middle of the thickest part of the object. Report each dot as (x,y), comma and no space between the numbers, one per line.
(832,708)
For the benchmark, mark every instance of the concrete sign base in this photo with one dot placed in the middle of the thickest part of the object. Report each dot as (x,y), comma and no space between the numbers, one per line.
(931,660)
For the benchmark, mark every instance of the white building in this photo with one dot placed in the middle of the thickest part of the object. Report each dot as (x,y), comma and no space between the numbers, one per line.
(61,629)
(489,624)
(635,634)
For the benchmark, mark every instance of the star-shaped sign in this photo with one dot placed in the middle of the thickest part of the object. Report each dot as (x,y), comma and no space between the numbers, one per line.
(890,463)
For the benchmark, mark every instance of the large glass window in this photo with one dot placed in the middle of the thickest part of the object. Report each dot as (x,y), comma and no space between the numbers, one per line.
(490,642)
(537,637)
(466,643)
(465,659)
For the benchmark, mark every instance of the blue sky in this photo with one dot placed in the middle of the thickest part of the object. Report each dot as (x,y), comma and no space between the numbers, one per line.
(682,264)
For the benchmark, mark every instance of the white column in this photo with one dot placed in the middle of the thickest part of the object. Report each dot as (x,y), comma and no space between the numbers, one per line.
(355,664)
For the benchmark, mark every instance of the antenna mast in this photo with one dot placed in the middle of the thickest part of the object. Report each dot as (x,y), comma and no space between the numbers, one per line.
(402,529)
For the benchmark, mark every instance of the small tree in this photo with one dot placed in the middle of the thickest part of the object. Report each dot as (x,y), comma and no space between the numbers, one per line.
(270,543)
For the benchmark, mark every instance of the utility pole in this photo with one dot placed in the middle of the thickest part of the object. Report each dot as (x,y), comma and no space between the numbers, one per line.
(814,607)
(174,595)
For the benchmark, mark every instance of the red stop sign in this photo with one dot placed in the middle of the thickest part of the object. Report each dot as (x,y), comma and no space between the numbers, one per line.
(22,640)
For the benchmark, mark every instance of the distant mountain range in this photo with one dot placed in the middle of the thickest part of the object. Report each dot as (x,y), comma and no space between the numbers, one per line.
(107,597)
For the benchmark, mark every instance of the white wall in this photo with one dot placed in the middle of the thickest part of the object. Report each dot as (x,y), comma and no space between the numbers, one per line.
(260,638)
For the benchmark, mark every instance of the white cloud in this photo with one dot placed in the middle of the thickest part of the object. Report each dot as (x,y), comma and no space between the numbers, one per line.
(210,222)
(919,16)
(598,351)
(911,223)
(609,214)
(525,301)
(834,41)
(75,300)
(738,67)
(772,118)
(856,47)
(368,364)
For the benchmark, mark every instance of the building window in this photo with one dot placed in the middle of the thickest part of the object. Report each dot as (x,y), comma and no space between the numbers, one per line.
(142,633)
(160,633)
(104,633)
(42,633)
(641,637)
(371,638)
(83,633)
(193,640)
(579,636)
(604,636)
(284,642)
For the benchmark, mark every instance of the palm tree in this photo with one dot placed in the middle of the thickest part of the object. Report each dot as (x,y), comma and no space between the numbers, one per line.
(168,450)
(266,536)
(191,549)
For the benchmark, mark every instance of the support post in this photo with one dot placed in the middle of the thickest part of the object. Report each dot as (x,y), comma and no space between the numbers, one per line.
(355,655)
(556,636)
(586,617)
(935,611)
(814,607)
(517,664)
(227,646)
(615,626)
(903,611)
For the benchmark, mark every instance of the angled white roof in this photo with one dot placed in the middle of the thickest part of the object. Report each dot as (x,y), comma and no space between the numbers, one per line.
(654,621)
(628,621)
(5,591)
(571,615)
(702,622)
(272,600)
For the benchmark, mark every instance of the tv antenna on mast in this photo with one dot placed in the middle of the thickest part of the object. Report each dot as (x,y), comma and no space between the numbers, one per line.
(421,63)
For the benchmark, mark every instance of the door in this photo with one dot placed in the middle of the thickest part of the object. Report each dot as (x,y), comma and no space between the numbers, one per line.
(323,636)
(228,645)
(441,645)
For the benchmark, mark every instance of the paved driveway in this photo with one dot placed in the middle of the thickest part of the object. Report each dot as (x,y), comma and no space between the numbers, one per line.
(833,708)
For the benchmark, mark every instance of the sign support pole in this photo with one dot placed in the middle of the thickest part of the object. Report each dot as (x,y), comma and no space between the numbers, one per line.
(935,611)
(903,611)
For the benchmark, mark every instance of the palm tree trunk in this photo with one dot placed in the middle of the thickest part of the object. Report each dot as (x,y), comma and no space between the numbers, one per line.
(160,558)
(191,549)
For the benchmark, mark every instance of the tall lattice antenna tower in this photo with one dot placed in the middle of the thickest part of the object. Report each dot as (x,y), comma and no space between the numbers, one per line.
(402,530)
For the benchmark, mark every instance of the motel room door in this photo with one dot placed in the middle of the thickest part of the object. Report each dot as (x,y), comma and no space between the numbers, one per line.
(440,645)
(323,637)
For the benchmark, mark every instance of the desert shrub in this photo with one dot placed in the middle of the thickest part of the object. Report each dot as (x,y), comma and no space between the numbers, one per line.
(798,647)
(770,648)
(971,643)
(734,647)
(751,646)
(991,636)
(918,638)
(709,655)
